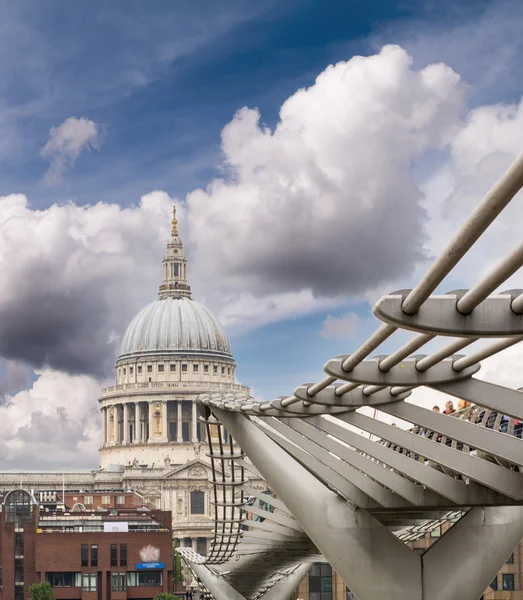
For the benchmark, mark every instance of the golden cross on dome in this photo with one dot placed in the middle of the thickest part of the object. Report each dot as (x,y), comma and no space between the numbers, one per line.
(174,223)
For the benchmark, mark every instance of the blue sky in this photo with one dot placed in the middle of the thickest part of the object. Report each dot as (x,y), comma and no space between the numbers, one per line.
(162,79)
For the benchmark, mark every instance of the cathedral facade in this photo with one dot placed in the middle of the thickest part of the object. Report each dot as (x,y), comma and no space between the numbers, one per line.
(152,440)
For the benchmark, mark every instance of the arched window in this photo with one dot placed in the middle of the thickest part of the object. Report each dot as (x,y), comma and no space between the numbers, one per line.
(18,506)
(197,503)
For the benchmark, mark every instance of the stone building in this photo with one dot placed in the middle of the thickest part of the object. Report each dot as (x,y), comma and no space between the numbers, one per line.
(152,440)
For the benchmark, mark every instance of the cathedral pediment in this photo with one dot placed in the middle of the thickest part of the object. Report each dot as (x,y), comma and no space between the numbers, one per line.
(195,469)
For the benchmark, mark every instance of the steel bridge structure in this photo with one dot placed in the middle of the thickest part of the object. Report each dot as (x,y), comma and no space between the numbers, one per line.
(353,489)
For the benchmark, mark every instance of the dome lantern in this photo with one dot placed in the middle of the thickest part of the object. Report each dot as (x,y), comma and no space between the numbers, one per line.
(174,284)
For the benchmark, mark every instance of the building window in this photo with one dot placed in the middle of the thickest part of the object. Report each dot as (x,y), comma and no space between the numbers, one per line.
(349,595)
(123,555)
(228,370)
(139,368)
(19,570)
(84,555)
(160,368)
(223,370)
(89,582)
(144,579)
(106,500)
(118,582)
(172,367)
(88,499)
(215,369)
(120,499)
(19,544)
(19,592)
(508,581)
(205,368)
(201,546)
(184,368)
(94,555)
(197,503)
(195,368)
(436,532)
(149,368)
(494,584)
(124,371)
(114,555)
(187,542)
(510,559)
(320,581)
(130,370)
(64,579)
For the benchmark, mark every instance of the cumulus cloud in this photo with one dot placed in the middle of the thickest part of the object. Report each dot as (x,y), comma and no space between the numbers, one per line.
(65,144)
(72,277)
(326,201)
(54,424)
(342,327)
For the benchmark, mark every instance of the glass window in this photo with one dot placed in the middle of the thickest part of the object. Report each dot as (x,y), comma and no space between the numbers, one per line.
(197,503)
(201,546)
(120,500)
(88,499)
(508,581)
(185,432)
(436,532)
(510,559)
(84,555)
(215,369)
(19,570)
(139,368)
(63,579)
(94,555)
(320,582)
(172,367)
(187,542)
(205,368)
(114,555)
(184,368)
(89,582)
(149,368)
(160,368)
(124,371)
(123,555)
(106,500)
(195,368)
(19,544)
(130,370)
(118,582)
(494,584)
(223,370)
(144,578)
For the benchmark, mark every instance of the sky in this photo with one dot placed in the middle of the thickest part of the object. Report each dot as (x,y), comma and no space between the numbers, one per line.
(320,154)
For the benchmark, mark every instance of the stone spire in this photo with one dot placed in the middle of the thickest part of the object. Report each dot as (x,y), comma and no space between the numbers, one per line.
(174,283)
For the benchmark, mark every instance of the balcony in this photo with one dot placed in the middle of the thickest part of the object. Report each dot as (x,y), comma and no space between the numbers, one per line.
(155,387)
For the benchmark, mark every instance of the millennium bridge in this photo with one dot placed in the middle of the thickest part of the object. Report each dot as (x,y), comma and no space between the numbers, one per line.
(354,490)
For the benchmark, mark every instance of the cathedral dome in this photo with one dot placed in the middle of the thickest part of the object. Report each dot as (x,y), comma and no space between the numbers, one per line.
(174,325)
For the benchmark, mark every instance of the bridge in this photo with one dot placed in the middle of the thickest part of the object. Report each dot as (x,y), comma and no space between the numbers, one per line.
(348,487)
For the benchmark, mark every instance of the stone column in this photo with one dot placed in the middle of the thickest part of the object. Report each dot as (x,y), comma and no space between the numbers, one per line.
(137,424)
(125,437)
(179,427)
(151,421)
(104,425)
(165,422)
(194,422)
(117,434)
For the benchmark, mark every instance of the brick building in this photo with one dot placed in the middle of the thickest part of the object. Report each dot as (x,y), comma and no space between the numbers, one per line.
(102,546)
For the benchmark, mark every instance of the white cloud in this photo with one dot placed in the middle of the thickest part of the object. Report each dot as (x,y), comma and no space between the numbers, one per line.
(65,144)
(72,277)
(54,424)
(342,327)
(326,201)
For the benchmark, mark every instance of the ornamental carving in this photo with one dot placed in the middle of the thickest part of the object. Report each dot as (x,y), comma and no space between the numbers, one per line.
(197,471)
(111,424)
(157,418)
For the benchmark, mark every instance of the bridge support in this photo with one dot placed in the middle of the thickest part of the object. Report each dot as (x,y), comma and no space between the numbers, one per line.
(217,585)
(369,558)
(284,589)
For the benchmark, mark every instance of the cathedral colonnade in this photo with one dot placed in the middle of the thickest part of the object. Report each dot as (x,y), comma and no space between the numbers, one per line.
(160,421)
